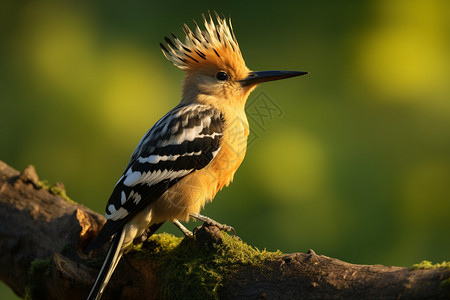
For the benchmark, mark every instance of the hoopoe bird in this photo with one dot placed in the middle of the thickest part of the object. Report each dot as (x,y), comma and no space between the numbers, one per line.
(193,151)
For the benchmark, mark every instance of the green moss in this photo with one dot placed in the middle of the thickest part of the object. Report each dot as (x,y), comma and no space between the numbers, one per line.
(157,246)
(192,270)
(38,269)
(429,265)
(44,184)
(55,190)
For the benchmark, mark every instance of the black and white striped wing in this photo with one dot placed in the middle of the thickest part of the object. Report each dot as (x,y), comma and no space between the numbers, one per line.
(184,140)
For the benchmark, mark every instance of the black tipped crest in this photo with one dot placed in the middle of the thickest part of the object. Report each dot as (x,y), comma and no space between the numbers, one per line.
(216,42)
(168,41)
(163,48)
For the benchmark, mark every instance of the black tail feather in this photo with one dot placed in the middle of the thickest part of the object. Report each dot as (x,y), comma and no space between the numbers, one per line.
(113,256)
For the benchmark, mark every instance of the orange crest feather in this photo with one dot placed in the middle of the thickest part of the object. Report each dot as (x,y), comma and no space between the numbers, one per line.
(216,45)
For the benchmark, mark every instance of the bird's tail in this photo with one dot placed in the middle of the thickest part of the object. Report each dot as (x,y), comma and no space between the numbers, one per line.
(113,256)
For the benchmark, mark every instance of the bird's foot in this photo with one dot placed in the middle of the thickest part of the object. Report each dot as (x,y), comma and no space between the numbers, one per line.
(186,232)
(210,221)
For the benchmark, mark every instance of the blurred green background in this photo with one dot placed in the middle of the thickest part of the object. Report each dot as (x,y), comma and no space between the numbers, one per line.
(355,166)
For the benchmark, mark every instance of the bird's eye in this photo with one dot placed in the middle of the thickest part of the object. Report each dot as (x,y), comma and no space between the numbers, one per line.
(222,76)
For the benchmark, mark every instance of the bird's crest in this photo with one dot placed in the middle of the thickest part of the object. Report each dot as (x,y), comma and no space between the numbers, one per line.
(215,45)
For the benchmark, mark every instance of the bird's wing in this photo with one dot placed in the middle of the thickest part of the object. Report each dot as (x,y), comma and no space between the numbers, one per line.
(184,140)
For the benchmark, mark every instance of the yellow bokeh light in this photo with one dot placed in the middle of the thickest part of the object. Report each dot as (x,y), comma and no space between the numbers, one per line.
(117,82)
(291,165)
(132,95)
(59,45)
(405,56)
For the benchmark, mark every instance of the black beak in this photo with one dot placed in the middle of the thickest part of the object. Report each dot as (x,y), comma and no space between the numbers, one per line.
(263,76)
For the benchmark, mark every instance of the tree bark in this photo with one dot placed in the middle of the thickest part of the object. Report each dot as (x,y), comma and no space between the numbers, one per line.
(42,237)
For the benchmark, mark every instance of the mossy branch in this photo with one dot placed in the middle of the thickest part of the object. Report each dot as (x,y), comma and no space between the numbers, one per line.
(43,236)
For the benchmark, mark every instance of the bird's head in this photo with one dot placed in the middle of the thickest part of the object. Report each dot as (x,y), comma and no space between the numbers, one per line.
(214,66)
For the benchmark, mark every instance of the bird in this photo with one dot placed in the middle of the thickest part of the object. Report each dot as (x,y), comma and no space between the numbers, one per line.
(193,151)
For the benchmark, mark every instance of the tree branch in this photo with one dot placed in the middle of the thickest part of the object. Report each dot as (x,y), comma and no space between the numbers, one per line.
(42,236)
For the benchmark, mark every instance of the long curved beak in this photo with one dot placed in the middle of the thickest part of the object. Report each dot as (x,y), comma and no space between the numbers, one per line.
(263,76)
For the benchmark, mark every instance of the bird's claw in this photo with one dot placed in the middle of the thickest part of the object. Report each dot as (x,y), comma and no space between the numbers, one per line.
(212,222)
(227,228)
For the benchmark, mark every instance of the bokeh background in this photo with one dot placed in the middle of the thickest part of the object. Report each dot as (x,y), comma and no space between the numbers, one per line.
(355,163)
